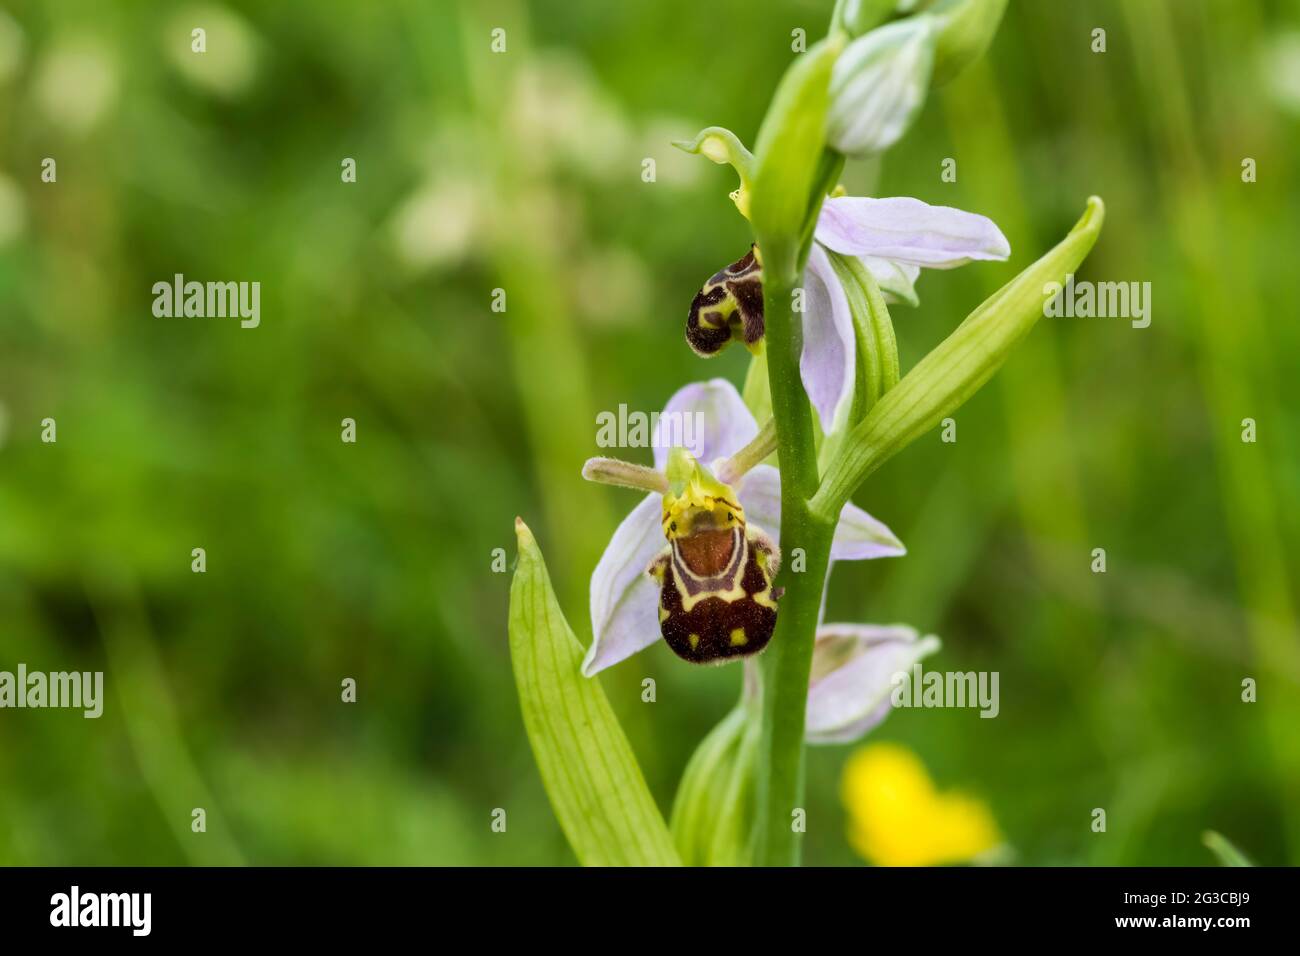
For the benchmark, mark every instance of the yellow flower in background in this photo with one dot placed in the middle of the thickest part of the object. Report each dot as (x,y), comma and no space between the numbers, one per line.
(897,818)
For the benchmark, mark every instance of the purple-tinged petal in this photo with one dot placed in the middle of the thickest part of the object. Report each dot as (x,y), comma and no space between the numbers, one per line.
(624,598)
(853,672)
(829,347)
(760,495)
(708,419)
(860,537)
(907,230)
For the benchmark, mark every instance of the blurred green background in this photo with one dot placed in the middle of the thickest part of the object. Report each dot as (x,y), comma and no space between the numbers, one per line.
(523,171)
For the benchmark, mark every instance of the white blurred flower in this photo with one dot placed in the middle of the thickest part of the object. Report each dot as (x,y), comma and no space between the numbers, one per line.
(1279,68)
(559,111)
(76,84)
(228,65)
(11,47)
(437,223)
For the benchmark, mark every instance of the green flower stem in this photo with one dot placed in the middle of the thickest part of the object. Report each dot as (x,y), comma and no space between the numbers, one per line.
(788,659)
(796,441)
(792,170)
(786,665)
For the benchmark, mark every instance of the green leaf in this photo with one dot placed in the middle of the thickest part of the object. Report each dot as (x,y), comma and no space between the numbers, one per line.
(591,775)
(734,805)
(787,155)
(943,380)
(707,773)
(1224,849)
(714,810)
(757,394)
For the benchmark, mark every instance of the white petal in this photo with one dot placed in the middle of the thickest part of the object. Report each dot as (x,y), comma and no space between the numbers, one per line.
(829,347)
(708,419)
(860,537)
(897,280)
(760,496)
(854,697)
(624,598)
(907,230)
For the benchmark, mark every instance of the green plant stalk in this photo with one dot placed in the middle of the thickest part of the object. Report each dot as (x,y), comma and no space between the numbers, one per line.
(787,663)
(790,184)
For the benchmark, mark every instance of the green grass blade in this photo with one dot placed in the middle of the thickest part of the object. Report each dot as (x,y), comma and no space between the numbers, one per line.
(1224,849)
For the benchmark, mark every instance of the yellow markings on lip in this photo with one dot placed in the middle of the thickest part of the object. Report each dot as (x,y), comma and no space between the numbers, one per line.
(663,614)
(734,593)
(695,641)
(738,638)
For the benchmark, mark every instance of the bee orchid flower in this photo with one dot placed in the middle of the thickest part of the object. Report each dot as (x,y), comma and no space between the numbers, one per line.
(722,473)
(894,238)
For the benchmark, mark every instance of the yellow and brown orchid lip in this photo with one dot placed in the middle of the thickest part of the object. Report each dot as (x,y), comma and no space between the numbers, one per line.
(711,576)
(730,306)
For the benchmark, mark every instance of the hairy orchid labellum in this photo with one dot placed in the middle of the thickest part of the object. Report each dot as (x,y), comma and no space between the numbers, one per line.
(716,599)
(730,306)
(715,575)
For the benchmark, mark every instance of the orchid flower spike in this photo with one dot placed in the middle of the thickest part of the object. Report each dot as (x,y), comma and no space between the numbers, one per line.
(711,575)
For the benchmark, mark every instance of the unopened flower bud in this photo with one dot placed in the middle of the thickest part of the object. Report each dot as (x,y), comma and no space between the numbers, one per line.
(878,86)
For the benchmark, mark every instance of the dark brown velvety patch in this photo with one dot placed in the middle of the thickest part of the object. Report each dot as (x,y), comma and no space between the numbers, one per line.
(713,620)
(748,294)
(703,334)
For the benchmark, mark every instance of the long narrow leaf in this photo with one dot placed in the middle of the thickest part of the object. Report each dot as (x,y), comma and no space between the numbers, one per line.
(595,785)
